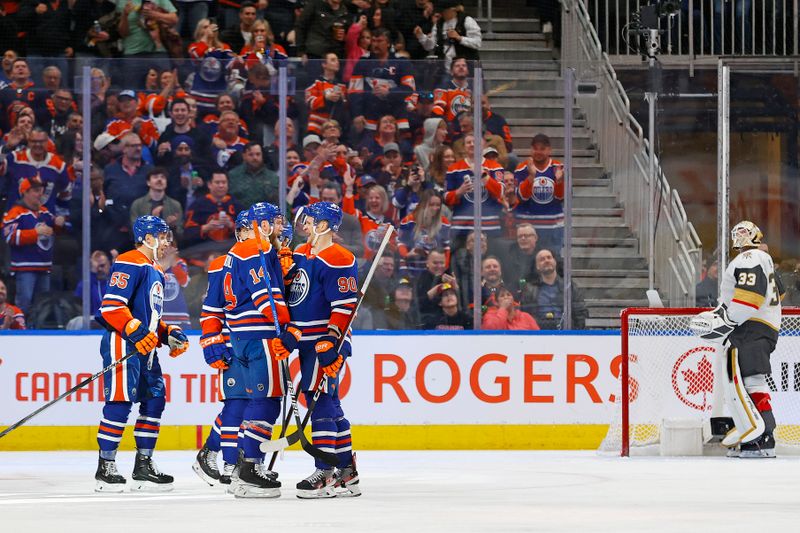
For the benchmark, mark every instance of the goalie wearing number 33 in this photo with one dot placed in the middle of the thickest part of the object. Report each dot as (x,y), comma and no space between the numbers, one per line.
(746,323)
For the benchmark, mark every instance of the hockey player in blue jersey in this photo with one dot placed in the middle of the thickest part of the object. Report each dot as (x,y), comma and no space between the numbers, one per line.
(250,318)
(218,353)
(131,313)
(322,296)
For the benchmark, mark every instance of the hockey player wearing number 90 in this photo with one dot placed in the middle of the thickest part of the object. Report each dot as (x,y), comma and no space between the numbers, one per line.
(131,314)
(746,323)
(321,297)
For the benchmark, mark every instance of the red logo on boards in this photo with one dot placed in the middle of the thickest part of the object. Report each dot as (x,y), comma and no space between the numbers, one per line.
(693,377)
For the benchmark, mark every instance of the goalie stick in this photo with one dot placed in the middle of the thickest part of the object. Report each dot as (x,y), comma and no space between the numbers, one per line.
(284,442)
(80,385)
(328,458)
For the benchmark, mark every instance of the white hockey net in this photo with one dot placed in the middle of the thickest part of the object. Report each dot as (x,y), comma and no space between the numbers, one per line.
(671,375)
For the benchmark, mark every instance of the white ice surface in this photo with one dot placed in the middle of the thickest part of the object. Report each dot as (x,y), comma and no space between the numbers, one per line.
(419,492)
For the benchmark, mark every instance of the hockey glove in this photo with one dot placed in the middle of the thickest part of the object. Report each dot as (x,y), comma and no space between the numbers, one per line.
(145,340)
(216,352)
(714,326)
(285,257)
(281,347)
(330,360)
(332,369)
(178,342)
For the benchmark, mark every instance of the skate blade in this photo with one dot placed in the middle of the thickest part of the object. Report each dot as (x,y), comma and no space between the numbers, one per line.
(733,452)
(250,491)
(316,494)
(202,475)
(149,486)
(348,492)
(757,454)
(113,488)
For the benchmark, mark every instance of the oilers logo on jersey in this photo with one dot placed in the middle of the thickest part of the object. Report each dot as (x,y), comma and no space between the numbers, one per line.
(543,190)
(470,196)
(157,299)
(171,287)
(299,288)
(211,69)
(460,103)
(45,242)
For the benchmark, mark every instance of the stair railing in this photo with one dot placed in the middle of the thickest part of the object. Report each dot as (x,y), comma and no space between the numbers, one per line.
(624,153)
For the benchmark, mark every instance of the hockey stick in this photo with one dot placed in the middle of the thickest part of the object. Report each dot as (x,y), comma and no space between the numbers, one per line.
(284,442)
(328,458)
(80,385)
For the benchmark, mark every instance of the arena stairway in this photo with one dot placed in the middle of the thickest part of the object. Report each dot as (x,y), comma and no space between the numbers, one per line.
(525,86)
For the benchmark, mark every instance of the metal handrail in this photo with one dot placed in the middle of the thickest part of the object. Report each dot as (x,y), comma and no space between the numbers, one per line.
(625,155)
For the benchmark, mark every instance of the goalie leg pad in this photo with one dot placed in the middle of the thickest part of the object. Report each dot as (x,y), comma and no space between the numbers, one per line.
(749,422)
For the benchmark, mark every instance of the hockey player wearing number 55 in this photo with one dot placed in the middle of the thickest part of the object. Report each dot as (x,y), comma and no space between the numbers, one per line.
(746,323)
(131,314)
(321,297)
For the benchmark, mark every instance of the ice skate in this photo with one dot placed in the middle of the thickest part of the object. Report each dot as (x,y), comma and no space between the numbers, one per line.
(255,481)
(347,481)
(761,448)
(205,466)
(147,477)
(317,485)
(227,473)
(108,478)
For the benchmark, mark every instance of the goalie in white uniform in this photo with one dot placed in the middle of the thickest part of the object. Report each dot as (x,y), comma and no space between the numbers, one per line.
(746,322)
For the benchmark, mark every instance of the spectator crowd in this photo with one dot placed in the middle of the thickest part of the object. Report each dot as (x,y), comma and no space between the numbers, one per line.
(185,125)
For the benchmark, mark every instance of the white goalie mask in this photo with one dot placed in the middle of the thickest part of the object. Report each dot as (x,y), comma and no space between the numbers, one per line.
(745,234)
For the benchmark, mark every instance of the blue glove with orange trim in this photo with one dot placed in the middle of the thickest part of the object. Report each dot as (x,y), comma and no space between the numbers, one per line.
(330,360)
(178,341)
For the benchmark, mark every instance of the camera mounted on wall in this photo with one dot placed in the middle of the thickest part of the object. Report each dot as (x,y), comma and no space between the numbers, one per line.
(645,25)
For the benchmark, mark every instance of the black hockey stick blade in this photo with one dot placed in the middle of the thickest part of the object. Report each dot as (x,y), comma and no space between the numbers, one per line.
(310,449)
(80,385)
(275,446)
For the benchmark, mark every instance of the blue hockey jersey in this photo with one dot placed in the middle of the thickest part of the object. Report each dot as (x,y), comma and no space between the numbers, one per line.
(135,290)
(247,307)
(323,292)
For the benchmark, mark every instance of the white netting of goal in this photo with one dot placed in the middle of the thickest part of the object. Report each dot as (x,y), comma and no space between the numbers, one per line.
(671,375)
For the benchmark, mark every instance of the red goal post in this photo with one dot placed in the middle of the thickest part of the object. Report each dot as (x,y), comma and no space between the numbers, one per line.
(667,372)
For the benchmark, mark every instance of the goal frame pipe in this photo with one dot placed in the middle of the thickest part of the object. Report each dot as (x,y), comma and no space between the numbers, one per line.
(625,372)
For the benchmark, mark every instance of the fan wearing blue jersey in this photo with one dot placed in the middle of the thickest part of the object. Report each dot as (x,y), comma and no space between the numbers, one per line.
(250,317)
(217,350)
(321,297)
(131,314)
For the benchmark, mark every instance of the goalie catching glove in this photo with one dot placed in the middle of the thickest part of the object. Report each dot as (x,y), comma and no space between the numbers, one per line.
(282,346)
(177,340)
(714,326)
(329,359)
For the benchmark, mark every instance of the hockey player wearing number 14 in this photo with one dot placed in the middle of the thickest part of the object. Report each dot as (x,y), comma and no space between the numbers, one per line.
(321,297)
(746,323)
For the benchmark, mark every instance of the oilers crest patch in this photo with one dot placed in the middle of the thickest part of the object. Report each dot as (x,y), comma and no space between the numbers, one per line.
(171,286)
(299,288)
(157,298)
(544,189)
